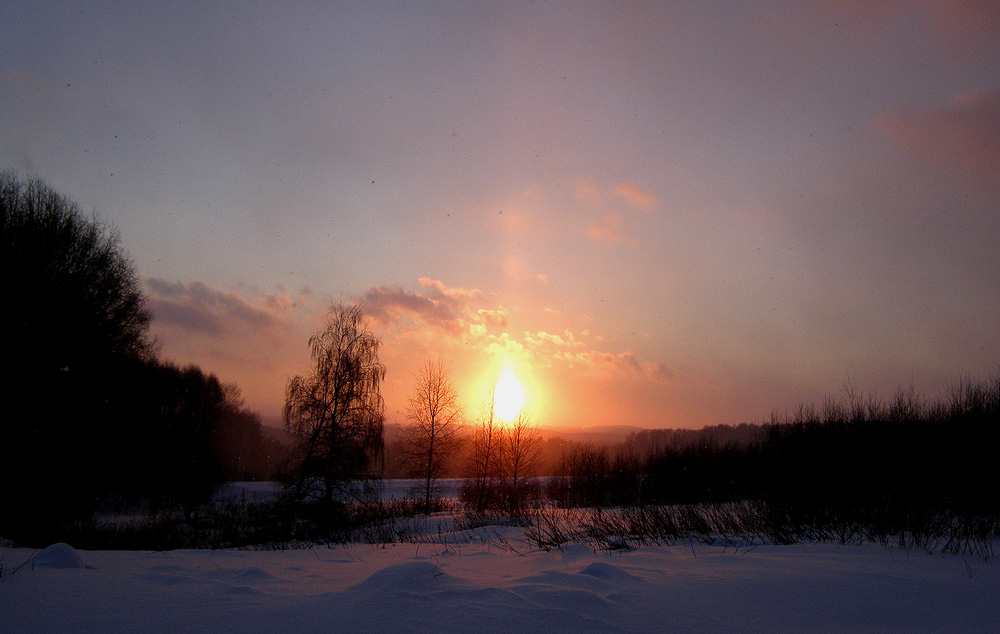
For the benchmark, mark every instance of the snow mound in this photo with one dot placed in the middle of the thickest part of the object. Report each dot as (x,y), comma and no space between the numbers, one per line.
(413,576)
(607,572)
(255,574)
(58,556)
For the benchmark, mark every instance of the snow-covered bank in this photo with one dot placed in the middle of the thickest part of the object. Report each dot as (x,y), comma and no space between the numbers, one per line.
(486,587)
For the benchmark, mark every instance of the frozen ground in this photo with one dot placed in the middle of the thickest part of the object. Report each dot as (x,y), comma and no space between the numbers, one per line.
(499,586)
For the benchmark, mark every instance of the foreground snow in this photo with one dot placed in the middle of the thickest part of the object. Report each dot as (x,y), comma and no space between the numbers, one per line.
(499,587)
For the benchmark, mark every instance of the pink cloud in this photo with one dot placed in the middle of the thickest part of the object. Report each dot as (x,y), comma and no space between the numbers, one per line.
(607,230)
(440,309)
(390,305)
(966,132)
(464,294)
(959,18)
(496,318)
(610,365)
(635,195)
(197,308)
(544,339)
(570,352)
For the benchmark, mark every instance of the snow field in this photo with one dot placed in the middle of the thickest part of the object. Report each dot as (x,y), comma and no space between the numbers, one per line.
(499,585)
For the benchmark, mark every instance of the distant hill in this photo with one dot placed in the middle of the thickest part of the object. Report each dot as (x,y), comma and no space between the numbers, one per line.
(596,434)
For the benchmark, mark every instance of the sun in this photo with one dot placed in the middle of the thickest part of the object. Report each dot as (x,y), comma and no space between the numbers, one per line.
(508,399)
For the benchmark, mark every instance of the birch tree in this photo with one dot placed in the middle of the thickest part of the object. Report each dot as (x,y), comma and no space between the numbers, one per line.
(336,413)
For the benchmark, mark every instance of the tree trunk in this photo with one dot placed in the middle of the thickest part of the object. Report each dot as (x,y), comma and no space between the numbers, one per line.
(430,471)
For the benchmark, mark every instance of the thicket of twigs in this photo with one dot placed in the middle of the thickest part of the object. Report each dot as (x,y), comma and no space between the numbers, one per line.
(902,471)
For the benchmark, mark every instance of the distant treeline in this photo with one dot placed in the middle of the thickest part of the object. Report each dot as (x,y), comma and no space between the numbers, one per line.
(164,437)
(862,456)
(555,447)
(194,434)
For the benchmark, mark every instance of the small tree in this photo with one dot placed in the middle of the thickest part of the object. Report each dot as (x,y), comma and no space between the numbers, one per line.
(484,462)
(434,418)
(521,447)
(336,413)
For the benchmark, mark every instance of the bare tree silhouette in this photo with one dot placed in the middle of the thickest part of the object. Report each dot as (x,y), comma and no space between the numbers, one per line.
(434,419)
(484,461)
(521,446)
(336,413)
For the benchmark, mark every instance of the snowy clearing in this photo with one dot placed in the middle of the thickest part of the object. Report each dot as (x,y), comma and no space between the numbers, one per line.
(499,586)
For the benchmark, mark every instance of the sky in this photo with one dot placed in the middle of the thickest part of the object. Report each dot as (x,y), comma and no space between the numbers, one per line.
(655,214)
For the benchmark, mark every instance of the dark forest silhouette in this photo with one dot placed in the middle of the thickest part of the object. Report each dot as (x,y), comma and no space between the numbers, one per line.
(92,417)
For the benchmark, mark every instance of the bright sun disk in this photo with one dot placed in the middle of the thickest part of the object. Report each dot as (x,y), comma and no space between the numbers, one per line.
(508,397)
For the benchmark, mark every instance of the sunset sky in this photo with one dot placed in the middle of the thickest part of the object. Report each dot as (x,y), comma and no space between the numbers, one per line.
(656,214)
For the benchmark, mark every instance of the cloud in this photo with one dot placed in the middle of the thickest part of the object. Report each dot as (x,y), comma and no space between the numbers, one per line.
(544,339)
(197,308)
(659,371)
(443,309)
(390,305)
(607,230)
(440,317)
(572,353)
(503,346)
(496,318)
(610,365)
(635,195)
(464,294)
(967,133)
